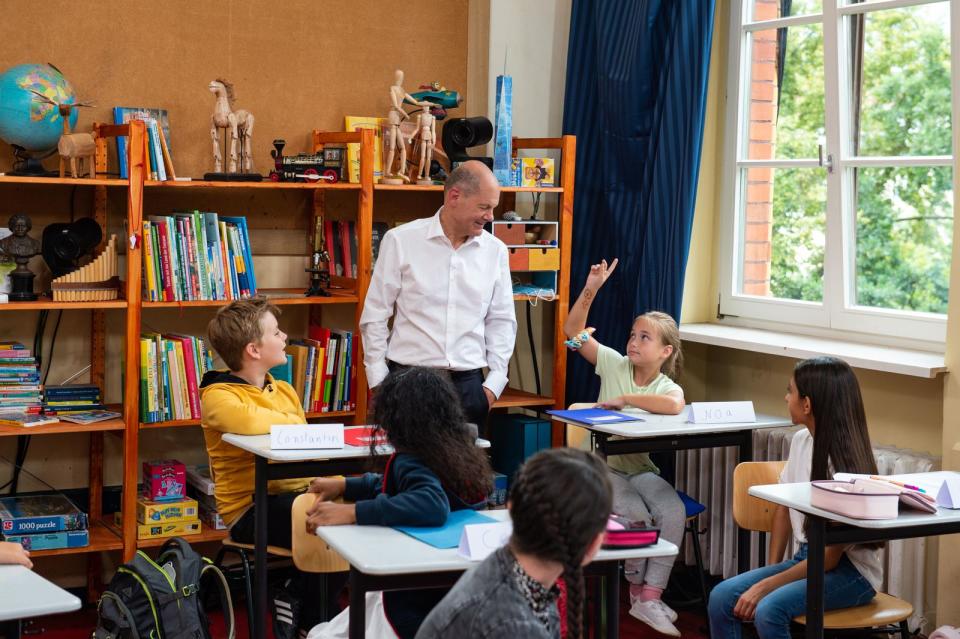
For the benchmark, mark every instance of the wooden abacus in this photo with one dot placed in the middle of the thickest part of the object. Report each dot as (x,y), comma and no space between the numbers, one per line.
(97,281)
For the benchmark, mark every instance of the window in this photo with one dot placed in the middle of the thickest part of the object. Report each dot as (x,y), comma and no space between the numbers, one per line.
(839,190)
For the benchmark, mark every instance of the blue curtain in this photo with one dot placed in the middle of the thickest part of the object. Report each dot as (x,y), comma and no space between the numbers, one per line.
(635,98)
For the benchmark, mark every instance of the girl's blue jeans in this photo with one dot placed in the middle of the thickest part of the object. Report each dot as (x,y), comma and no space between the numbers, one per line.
(843,587)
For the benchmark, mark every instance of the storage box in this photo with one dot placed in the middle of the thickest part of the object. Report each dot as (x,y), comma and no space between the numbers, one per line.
(513,438)
(149,512)
(52,541)
(498,496)
(182,528)
(536,172)
(544,259)
(164,480)
(509,232)
(519,259)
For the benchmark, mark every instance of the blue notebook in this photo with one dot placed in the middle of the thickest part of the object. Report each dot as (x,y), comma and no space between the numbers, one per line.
(595,416)
(447,535)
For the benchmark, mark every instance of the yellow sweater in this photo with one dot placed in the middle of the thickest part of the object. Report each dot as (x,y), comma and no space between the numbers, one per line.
(231,405)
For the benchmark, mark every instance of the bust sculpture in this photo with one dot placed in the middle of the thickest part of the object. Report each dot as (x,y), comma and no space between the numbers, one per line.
(21,247)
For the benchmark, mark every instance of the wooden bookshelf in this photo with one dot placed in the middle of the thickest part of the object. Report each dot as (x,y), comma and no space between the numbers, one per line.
(265,184)
(516,398)
(63,427)
(49,305)
(64,181)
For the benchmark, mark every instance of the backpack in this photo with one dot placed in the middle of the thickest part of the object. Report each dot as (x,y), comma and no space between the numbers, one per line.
(161,599)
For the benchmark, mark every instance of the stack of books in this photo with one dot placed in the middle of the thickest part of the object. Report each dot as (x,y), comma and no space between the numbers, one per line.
(197,256)
(65,399)
(171,368)
(321,370)
(20,389)
(43,522)
(201,487)
(159,162)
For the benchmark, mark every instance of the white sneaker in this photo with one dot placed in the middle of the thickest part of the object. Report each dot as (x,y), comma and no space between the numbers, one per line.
(654,614)
(671,613)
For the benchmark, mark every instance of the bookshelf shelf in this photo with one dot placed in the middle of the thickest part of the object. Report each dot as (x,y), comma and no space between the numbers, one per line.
(277,296)
(266,184)
(102,538)
(534,298)
(515,398)
(59,181)
(62,427)
(439,187)
(48,304)
(180,423)
(206,534)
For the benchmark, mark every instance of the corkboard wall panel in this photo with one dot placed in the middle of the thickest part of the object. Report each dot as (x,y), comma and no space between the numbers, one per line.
(295,66)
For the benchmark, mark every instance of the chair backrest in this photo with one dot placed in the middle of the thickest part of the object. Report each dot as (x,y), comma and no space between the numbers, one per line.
(310,553)
(749,512)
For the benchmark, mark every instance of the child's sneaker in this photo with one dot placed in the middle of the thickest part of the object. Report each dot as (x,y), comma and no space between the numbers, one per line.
(671,613)
(286,611)
(654,614)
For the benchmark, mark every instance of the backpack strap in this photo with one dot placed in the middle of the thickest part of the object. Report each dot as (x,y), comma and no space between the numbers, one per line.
(226,601)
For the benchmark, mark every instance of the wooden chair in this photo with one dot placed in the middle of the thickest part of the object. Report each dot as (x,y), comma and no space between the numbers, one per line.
(312,554)
(885,613)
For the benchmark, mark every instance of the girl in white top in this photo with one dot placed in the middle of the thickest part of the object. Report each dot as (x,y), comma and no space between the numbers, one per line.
(824,396)
(639,379)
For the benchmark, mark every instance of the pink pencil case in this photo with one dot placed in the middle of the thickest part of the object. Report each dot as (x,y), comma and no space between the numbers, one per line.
(623,533)
(865,498)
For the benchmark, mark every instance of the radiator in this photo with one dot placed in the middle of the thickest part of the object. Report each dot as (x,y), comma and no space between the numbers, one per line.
(707,476)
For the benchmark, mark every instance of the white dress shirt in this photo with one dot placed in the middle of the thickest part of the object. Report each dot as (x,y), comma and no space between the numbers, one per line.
(451,309)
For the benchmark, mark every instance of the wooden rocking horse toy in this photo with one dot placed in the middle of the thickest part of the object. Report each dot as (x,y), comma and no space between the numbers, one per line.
(238,124)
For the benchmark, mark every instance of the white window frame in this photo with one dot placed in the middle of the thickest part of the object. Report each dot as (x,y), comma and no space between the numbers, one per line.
(836,315)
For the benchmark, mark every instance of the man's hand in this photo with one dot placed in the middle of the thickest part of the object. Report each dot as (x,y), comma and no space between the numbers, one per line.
(599,274)
(14,553)
(328,488)
(491,398)
(325,513)
(746,608)
(617,403)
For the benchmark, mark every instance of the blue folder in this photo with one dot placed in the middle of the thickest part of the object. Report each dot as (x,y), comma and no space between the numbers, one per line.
(595,416)
(447,535)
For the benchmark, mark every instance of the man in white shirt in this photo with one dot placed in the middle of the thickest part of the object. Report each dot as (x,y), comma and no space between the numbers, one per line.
(446,284)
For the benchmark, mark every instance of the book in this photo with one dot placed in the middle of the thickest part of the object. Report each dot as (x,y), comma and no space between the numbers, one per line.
(122,115)
(19,418)
(40,513)
(595,416)
(355,123)
(90,416)
(199,477)
(362,437)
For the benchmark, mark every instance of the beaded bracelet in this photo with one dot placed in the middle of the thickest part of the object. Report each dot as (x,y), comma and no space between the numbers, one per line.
(575,342)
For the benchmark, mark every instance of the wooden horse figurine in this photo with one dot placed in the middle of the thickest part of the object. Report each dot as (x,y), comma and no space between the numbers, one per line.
(239,125)
(76,148)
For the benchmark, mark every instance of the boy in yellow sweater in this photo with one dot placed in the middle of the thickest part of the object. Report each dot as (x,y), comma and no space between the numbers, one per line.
(247,400)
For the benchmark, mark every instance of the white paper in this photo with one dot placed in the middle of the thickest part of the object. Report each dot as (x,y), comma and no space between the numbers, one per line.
(722,412)
(479,540)
(306,436)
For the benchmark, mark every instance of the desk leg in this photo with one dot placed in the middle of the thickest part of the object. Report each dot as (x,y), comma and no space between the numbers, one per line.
(815,577)
(745,454)
(358,606)
(260,548)
(612,579)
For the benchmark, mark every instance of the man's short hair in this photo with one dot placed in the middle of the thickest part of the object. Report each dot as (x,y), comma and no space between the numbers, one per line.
(465,178)
(237,325)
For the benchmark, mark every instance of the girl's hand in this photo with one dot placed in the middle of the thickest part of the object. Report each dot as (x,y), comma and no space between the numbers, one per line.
(325,513)
(14,553)
(328,488)
(599,274)
(617,403)
(746,608)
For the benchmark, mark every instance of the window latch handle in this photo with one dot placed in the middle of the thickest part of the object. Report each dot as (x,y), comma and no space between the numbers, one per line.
(827,161)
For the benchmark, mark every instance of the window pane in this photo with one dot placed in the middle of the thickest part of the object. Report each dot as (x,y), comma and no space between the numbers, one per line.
(772,9)
(904,94)
(784,222)
(904,237)
(785,109)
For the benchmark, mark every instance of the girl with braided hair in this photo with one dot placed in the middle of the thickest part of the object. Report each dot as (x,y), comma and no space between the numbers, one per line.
(559,504)
(436,468)
(642,378)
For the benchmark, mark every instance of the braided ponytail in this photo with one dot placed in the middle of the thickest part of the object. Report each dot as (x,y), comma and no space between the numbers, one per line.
(559,502)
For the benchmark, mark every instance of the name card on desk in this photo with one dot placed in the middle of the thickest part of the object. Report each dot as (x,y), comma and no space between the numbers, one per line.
(721,412)
(480,540)
(306,436)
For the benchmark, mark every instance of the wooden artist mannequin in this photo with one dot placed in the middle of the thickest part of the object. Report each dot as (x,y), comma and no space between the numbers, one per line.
(238,123)
(427,132)
(394,139)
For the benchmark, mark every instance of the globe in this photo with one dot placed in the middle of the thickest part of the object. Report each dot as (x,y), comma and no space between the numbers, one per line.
(26,119)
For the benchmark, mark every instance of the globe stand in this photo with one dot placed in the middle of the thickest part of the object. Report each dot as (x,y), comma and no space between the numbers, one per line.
(22,285)
(26,165)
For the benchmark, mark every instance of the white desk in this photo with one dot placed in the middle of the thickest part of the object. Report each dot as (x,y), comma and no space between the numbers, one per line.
(673,432)
(292,464)
(386,559)
(27,594)
(846,530)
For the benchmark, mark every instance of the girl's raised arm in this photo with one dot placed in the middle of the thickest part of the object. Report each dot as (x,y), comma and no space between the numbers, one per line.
(579,337)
